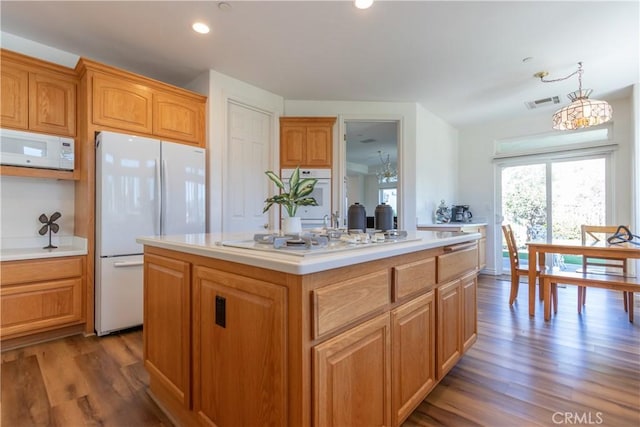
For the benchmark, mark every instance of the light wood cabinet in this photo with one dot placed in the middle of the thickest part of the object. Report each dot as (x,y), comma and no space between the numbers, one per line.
(457,321)
(122,104)
(465,228)
(306,142)
(167,324)
(352,375)
(37,95)
(126,102)
(413,332)
(41,295)
(356,345)
(241,374)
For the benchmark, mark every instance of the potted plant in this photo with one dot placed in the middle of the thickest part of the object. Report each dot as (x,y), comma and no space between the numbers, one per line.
(292,195)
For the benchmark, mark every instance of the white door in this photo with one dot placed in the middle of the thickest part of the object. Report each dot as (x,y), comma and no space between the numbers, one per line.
(246,185)
(127,200)
(183,189)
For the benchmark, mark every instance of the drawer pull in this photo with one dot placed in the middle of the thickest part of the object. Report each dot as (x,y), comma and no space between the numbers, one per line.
(459,247)
(128,263)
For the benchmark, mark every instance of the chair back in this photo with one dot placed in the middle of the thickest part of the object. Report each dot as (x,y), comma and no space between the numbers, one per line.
(593,234)
(512,247)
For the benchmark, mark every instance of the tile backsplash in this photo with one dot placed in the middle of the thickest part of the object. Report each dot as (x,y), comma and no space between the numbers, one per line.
(24,199)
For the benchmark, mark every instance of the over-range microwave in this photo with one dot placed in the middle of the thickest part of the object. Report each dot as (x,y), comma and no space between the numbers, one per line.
(36,150)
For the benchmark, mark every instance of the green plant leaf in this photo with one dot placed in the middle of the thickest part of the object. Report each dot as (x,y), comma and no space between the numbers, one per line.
(305,187)
(309,201)
(276,179)
(294,181)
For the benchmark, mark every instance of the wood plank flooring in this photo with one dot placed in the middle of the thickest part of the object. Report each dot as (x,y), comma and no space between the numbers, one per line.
(575,370)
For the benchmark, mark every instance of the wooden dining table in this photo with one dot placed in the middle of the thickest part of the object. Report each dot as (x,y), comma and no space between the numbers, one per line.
(538,250)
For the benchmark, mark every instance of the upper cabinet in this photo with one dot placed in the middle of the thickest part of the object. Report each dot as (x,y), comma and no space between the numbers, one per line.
(306,141)
(37,95)
(123,101)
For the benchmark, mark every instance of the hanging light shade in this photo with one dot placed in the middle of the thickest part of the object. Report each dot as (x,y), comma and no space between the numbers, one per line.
(582,112)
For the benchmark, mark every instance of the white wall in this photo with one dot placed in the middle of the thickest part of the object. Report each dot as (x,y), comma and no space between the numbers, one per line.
(477,171)
(38,50)
(24,199)
(220,89)
(436,165)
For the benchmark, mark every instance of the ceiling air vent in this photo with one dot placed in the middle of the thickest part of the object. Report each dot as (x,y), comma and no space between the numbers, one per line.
(368,140)
(543,102)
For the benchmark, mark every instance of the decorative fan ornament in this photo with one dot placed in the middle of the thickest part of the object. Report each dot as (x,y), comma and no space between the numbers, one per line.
(49,225)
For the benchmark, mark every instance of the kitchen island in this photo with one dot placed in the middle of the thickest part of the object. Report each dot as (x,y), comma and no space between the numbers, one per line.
(344,335)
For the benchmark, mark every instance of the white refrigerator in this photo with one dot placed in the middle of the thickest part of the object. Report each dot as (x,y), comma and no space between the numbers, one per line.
(144,187)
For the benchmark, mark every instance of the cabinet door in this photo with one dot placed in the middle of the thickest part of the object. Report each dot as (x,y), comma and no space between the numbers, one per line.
(14,107)
(121,104)
(240,350)
(292,142)
(469,286)
(449,309)
(40,295)
(52,104)
(178,118)
(352,377)
(414,354)
(167,336)
(318,147)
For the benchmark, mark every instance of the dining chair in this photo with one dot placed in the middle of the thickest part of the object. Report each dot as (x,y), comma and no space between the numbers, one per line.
(593,234)
(517,270)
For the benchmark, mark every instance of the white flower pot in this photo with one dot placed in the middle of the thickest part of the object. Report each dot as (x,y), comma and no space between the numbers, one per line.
(291,225)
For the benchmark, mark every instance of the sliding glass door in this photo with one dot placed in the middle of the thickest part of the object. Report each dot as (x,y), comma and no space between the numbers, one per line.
(549,200)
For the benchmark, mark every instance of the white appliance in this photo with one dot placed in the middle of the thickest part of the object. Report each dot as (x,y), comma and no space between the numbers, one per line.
(36,150)
(314,216)
(144,187)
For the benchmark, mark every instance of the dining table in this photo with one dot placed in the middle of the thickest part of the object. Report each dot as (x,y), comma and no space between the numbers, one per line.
(538,251)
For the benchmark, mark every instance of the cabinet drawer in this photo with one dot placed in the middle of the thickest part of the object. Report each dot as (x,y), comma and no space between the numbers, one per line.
(40,306)
(15,272)
(413,277)
(343,302)
(460,259)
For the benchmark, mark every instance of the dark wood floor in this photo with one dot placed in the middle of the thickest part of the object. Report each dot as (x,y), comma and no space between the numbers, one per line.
(575,370)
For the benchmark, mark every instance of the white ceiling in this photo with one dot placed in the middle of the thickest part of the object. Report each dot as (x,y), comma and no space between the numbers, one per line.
(463,61)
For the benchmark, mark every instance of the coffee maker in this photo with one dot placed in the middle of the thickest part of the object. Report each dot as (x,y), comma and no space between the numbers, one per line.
(461,213)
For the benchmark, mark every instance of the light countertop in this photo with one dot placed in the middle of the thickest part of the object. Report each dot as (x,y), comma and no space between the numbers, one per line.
(454,224)
(310,261)
(32,248)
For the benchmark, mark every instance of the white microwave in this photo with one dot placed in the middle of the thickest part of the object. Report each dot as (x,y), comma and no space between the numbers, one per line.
(36,150)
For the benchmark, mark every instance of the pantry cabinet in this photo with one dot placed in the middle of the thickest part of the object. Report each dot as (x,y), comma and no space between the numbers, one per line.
(37,95)
(41,295)
(306,142)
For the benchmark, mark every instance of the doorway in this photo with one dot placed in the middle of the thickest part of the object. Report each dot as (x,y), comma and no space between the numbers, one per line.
(371,164)
(549,200)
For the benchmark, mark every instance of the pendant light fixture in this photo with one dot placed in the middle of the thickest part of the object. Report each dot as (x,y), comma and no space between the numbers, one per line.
(387,173)
(582,112)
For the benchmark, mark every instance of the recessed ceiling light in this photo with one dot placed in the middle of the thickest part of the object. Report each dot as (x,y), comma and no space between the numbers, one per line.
(200,27)
(363,4)
(224,6)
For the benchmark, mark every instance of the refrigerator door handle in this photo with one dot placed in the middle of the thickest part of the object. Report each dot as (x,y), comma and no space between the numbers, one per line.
(165,197)
(128,263)
(158,184)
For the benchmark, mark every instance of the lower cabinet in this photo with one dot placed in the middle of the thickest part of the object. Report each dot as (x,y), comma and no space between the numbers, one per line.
(240,350)
(413,332)
(41,295)
(352,375)
(231,345)
(167,325)
(457,321)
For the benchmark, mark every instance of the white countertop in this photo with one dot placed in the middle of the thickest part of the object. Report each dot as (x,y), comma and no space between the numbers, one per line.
(453,224)
(211,245)
(32,248)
